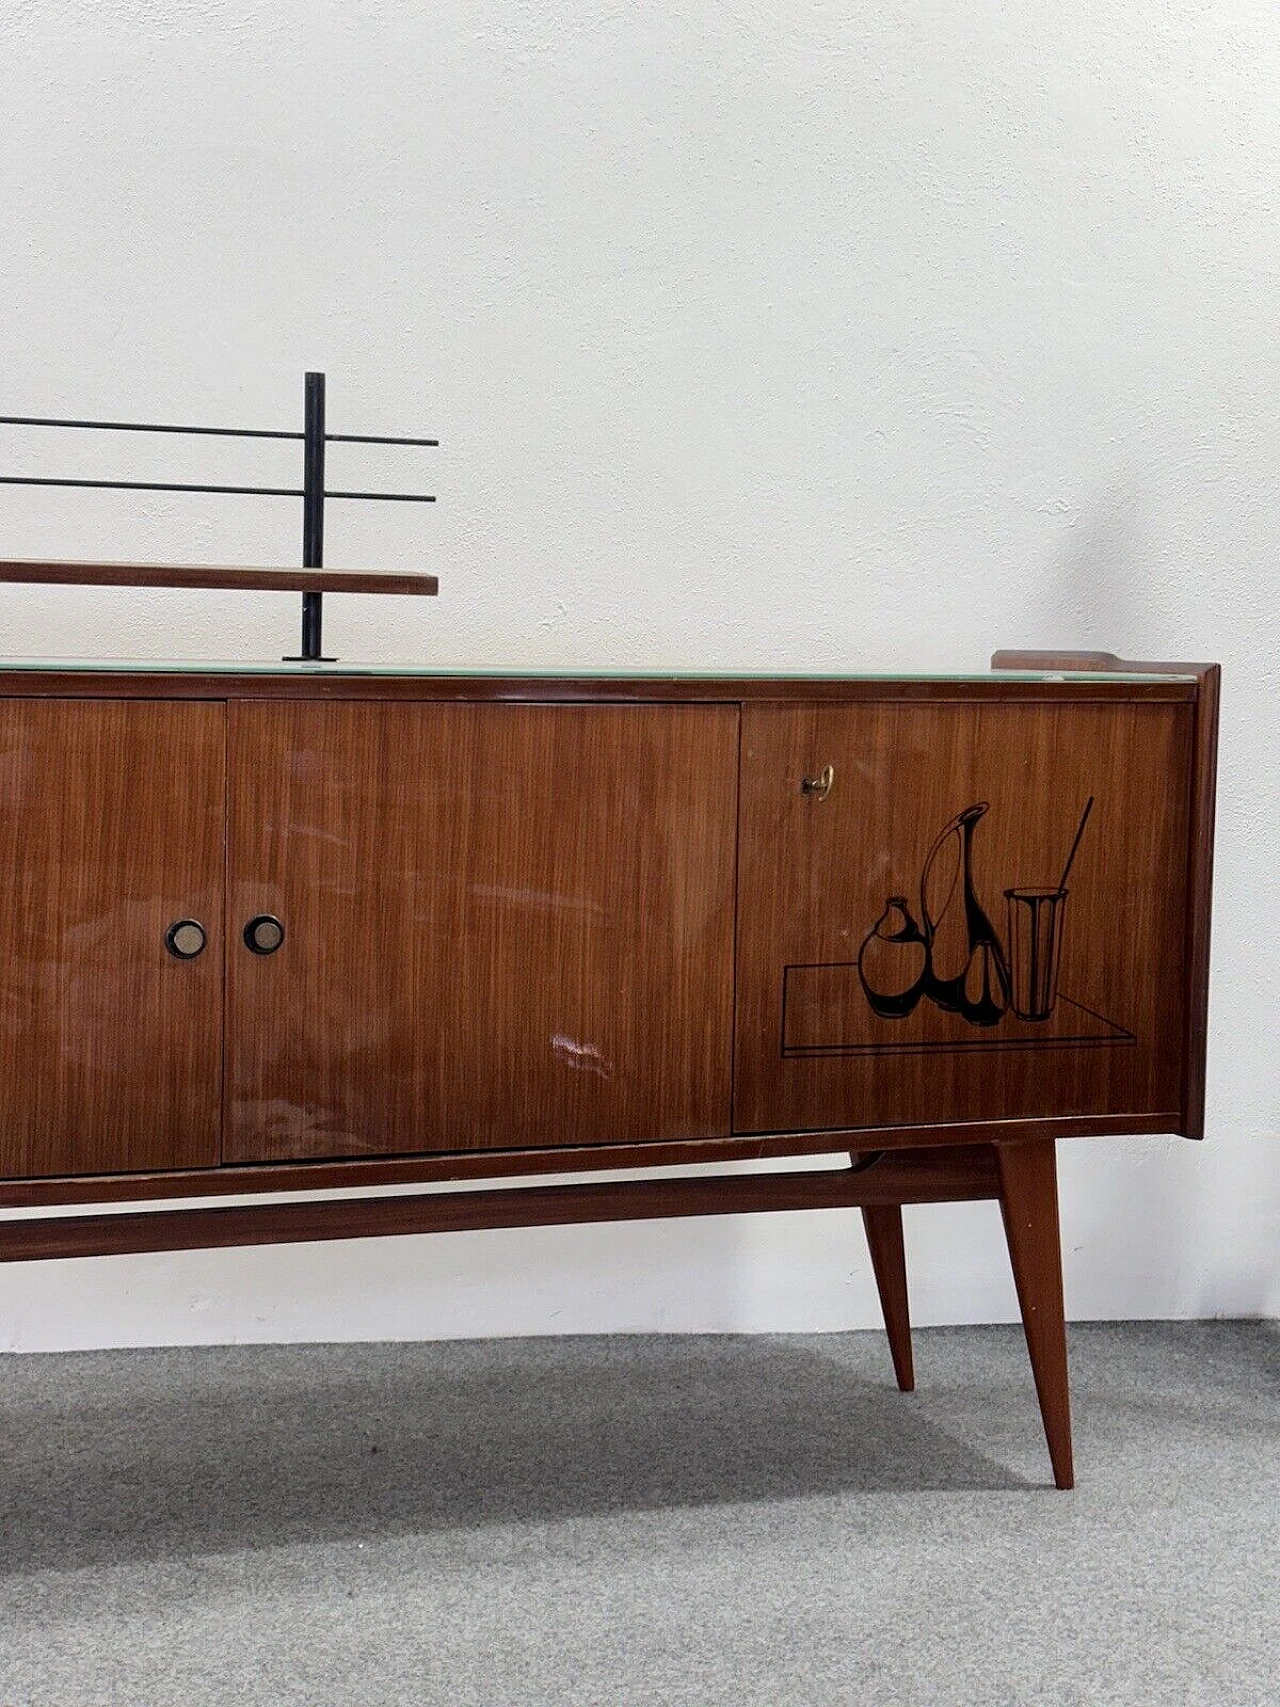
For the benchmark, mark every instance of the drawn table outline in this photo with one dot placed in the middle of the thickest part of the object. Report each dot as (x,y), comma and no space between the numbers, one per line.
(1071,1025)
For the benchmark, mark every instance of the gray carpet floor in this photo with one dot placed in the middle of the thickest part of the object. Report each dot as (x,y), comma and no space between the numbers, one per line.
(651,1521)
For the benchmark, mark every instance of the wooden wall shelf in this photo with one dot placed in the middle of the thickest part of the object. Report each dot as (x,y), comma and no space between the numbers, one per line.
(236,576)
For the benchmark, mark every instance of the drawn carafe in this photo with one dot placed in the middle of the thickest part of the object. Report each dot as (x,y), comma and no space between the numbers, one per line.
(967,971)
(893,961)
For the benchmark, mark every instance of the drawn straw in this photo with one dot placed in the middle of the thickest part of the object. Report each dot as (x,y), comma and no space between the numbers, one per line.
(1084,819)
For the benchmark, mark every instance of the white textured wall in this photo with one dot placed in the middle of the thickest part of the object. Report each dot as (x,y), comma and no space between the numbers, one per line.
(770,335)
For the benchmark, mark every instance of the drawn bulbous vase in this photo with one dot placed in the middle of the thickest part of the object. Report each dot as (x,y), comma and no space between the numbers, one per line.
(893,961)
(967,972)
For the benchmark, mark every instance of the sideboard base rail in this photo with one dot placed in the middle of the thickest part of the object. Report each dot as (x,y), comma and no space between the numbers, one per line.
(935,1175)
(1022,1176)
(249,1179)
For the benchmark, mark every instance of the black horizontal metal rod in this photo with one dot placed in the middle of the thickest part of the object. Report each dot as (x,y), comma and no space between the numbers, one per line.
(210,432)
(152,486)
(371,439)
(244,491)
(145,427)
(387,497)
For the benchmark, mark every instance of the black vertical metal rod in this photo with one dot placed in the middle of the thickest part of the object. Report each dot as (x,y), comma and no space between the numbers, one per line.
(312,508)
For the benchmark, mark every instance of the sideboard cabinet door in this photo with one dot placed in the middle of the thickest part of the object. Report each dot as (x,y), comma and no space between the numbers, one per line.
(111,834)
(908,953)
(503,926)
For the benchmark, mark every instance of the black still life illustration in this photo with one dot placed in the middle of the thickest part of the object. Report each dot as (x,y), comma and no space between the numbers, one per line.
(954,957)
(942,953)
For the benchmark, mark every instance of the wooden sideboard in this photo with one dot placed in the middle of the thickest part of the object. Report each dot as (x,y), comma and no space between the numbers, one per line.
(331,927)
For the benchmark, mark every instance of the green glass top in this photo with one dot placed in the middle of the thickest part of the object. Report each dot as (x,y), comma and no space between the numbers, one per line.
(566,672)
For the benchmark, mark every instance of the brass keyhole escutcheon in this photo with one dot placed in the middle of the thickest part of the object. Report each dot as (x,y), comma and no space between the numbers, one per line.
(263,934)
(185,938)
(818,787)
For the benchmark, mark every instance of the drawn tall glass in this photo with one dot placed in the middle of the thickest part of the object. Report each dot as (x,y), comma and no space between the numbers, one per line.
(1036,919)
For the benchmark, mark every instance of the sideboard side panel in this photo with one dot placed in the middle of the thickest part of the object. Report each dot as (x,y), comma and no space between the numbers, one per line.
(1200,898)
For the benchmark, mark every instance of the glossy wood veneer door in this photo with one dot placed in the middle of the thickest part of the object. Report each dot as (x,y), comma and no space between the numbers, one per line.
(843,1021)
(111,829)
(505,925)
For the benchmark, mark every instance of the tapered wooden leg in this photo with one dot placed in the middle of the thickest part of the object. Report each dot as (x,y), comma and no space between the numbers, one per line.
(883,1223)
(1029,1203)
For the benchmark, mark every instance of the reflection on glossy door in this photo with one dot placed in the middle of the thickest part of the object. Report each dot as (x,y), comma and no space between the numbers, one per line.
(111,836)
(504,926)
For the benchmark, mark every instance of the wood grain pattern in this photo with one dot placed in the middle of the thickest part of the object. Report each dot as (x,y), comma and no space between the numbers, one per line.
(507,926)
(1029,1205)
(932,1176)
(168,1178)
(111,826)
(232,575)
(814,877)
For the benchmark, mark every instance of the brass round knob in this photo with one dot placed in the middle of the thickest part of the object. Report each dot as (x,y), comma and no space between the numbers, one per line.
(263,934)
(184,939)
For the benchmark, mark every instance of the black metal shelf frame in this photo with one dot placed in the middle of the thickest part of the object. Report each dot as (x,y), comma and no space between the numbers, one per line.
(313,492)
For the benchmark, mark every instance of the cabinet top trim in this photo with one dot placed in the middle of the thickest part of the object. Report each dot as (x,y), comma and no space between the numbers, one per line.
(97,680)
